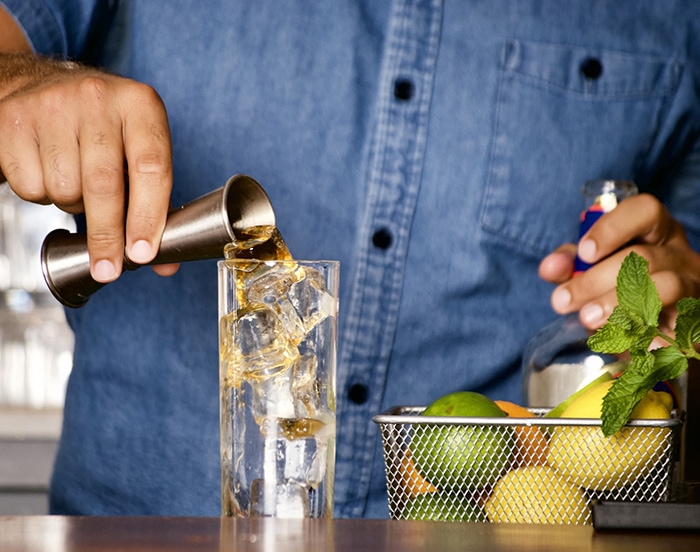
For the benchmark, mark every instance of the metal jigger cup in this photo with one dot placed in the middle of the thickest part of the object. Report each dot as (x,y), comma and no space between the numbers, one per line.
(196,231)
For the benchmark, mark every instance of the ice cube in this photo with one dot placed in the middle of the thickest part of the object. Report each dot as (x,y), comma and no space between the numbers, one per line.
(273,398)
(305,387)
(270,287)
(311,300)
(305,461)
(261,342)
(279,499)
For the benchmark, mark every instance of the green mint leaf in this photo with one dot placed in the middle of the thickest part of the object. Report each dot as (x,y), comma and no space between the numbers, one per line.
(636,292)
(669,363)
(626,392)
(611,339)
(632,326)
(623,331)
(644,372)
(688,323)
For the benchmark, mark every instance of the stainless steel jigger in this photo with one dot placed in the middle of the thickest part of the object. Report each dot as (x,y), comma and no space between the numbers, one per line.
(196,231)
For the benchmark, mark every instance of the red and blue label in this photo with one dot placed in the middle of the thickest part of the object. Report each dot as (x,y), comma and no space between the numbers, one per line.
(588,218)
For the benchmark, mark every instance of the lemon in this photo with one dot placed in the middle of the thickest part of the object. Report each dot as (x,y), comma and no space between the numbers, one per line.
(557,410)
(589,459)
(536,494)
(442,507)
(530,442)
(453,456)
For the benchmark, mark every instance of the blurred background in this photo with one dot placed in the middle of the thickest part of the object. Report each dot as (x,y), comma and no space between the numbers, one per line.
(35,356)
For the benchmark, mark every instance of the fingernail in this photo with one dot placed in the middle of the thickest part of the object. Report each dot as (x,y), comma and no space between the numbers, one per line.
(141,252)
(591,314)
(586,250)
(104,271)
(561,299)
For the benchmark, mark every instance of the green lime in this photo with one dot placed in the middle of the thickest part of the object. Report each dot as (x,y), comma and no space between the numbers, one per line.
(454,456)
(442,507)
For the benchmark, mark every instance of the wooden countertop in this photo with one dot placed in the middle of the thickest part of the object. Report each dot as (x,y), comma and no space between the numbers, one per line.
(138,534)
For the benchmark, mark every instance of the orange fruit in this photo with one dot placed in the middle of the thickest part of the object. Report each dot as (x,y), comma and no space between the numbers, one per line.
(413,483)
(530,442)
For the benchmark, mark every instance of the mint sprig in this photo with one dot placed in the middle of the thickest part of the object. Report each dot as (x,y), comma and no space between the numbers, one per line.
(632,326)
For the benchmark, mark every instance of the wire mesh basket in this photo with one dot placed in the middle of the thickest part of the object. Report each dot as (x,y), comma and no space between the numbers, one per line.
(521,470)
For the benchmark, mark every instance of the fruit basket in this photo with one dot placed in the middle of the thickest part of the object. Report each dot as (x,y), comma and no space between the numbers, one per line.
(521,470)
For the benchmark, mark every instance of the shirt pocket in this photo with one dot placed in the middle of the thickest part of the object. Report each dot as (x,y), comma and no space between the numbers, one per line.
(566,114)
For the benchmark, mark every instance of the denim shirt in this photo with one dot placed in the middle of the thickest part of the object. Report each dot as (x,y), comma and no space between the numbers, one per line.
(437,148)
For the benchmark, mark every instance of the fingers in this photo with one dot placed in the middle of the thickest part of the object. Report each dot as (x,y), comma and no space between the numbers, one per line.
(101,161)
(166,269)
(640,224)
(19,155)
(148,154)
(558,266)
(68,140)
(59,154)
(639,219)
(674,270)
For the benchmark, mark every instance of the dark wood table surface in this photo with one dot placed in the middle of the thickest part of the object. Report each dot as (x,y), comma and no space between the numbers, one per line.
(136,534)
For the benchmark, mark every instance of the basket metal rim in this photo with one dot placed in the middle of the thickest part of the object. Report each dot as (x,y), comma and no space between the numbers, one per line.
(410,415)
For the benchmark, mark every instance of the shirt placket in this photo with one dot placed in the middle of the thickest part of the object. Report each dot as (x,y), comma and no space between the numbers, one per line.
(394,166)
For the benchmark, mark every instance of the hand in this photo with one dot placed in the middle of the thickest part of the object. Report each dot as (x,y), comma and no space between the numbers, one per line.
(641,224)
(68,135)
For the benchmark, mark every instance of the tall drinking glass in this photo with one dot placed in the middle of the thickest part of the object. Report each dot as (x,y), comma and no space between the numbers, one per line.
(277,336)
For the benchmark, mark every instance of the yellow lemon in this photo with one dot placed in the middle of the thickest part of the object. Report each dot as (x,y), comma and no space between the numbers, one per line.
(589,459)
(536,494)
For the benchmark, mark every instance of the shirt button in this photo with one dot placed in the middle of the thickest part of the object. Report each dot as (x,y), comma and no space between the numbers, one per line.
(403,89)
(382,239)
(358,393)
(591,68)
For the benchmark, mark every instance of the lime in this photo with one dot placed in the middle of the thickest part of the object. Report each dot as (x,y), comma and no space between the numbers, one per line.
(587,458)
(536,494)
(470,455)
(442,507)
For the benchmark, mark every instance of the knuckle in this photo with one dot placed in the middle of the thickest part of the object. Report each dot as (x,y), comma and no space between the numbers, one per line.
(149,164)
(100,240)
(63,191)
(648,201)
(52,99)
(147,95)
(103,181)
(11,169)
(94,89)
(671,286)
(30,191)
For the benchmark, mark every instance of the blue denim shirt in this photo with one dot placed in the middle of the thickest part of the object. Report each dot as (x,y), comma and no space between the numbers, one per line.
(437,148)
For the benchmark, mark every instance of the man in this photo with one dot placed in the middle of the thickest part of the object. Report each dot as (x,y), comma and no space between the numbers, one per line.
(436,148)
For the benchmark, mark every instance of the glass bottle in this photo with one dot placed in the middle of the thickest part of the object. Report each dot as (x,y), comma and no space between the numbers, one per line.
(557,361)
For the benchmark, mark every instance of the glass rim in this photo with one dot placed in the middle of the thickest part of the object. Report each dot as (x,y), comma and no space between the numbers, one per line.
(225,262)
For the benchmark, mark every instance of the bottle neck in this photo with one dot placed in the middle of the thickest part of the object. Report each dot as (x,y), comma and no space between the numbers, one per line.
(602,196)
